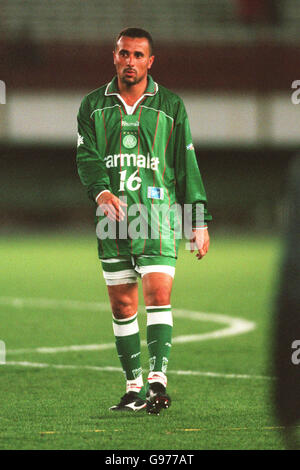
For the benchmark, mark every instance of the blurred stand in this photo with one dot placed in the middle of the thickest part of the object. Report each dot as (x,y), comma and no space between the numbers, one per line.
(261,18)
(264,12)
(235,82)
(23,50)
(287,337)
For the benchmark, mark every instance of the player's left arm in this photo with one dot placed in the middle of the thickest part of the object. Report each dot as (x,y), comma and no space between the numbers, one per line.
(189,185)
(200,242)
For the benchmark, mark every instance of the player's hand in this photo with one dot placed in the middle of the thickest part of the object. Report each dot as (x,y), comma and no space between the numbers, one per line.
(200,242)
(111,206)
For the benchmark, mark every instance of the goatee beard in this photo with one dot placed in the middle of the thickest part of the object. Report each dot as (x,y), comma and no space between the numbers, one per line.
(131,82)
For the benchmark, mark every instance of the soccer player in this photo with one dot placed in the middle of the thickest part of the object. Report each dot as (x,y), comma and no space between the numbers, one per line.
(134,152)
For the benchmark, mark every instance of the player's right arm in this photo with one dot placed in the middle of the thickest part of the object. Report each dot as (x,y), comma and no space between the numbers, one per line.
(91,166)
(111,205)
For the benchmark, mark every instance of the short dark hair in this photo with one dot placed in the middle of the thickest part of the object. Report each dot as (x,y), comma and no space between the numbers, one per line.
(136,33)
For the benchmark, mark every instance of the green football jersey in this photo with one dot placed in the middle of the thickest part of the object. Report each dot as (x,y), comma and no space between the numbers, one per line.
(145,156)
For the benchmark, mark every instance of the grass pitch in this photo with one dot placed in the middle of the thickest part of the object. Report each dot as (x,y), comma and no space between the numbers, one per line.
(53,296)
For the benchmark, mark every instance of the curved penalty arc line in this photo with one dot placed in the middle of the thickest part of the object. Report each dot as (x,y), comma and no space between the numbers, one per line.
(233,326)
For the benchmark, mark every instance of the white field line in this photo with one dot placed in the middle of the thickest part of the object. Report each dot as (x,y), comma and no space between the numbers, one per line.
(233,326)
(118,369)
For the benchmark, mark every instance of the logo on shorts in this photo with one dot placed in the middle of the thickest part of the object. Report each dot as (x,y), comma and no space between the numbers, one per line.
(129,141)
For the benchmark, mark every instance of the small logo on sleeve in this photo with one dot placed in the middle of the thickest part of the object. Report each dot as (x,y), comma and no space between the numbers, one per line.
(79,139)
(190,147)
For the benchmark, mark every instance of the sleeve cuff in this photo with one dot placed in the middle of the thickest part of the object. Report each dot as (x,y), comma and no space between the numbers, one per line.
(99,194)
(202,227)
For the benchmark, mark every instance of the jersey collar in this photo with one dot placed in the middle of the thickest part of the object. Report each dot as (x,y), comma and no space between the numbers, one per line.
(112,87)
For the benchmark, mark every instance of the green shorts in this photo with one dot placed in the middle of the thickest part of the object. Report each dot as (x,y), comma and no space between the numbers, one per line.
(126,269)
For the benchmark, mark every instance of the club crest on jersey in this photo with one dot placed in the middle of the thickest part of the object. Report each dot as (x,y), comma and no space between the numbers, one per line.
(129,141)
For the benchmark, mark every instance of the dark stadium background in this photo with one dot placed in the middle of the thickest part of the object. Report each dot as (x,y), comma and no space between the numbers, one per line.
(216,49)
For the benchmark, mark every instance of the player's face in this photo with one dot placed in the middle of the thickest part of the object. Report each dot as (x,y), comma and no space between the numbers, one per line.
(132,59)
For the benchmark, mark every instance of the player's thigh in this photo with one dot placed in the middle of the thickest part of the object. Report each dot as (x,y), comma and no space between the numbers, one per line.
(157,278)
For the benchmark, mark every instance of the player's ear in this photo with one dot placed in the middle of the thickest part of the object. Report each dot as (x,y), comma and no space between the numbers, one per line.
(151,60)
(114,56)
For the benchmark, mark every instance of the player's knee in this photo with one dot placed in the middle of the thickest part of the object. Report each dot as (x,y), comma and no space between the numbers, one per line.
(159,296)
(123,308)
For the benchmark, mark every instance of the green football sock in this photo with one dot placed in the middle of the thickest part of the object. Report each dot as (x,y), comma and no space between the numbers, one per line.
(159,336)
(128,345)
